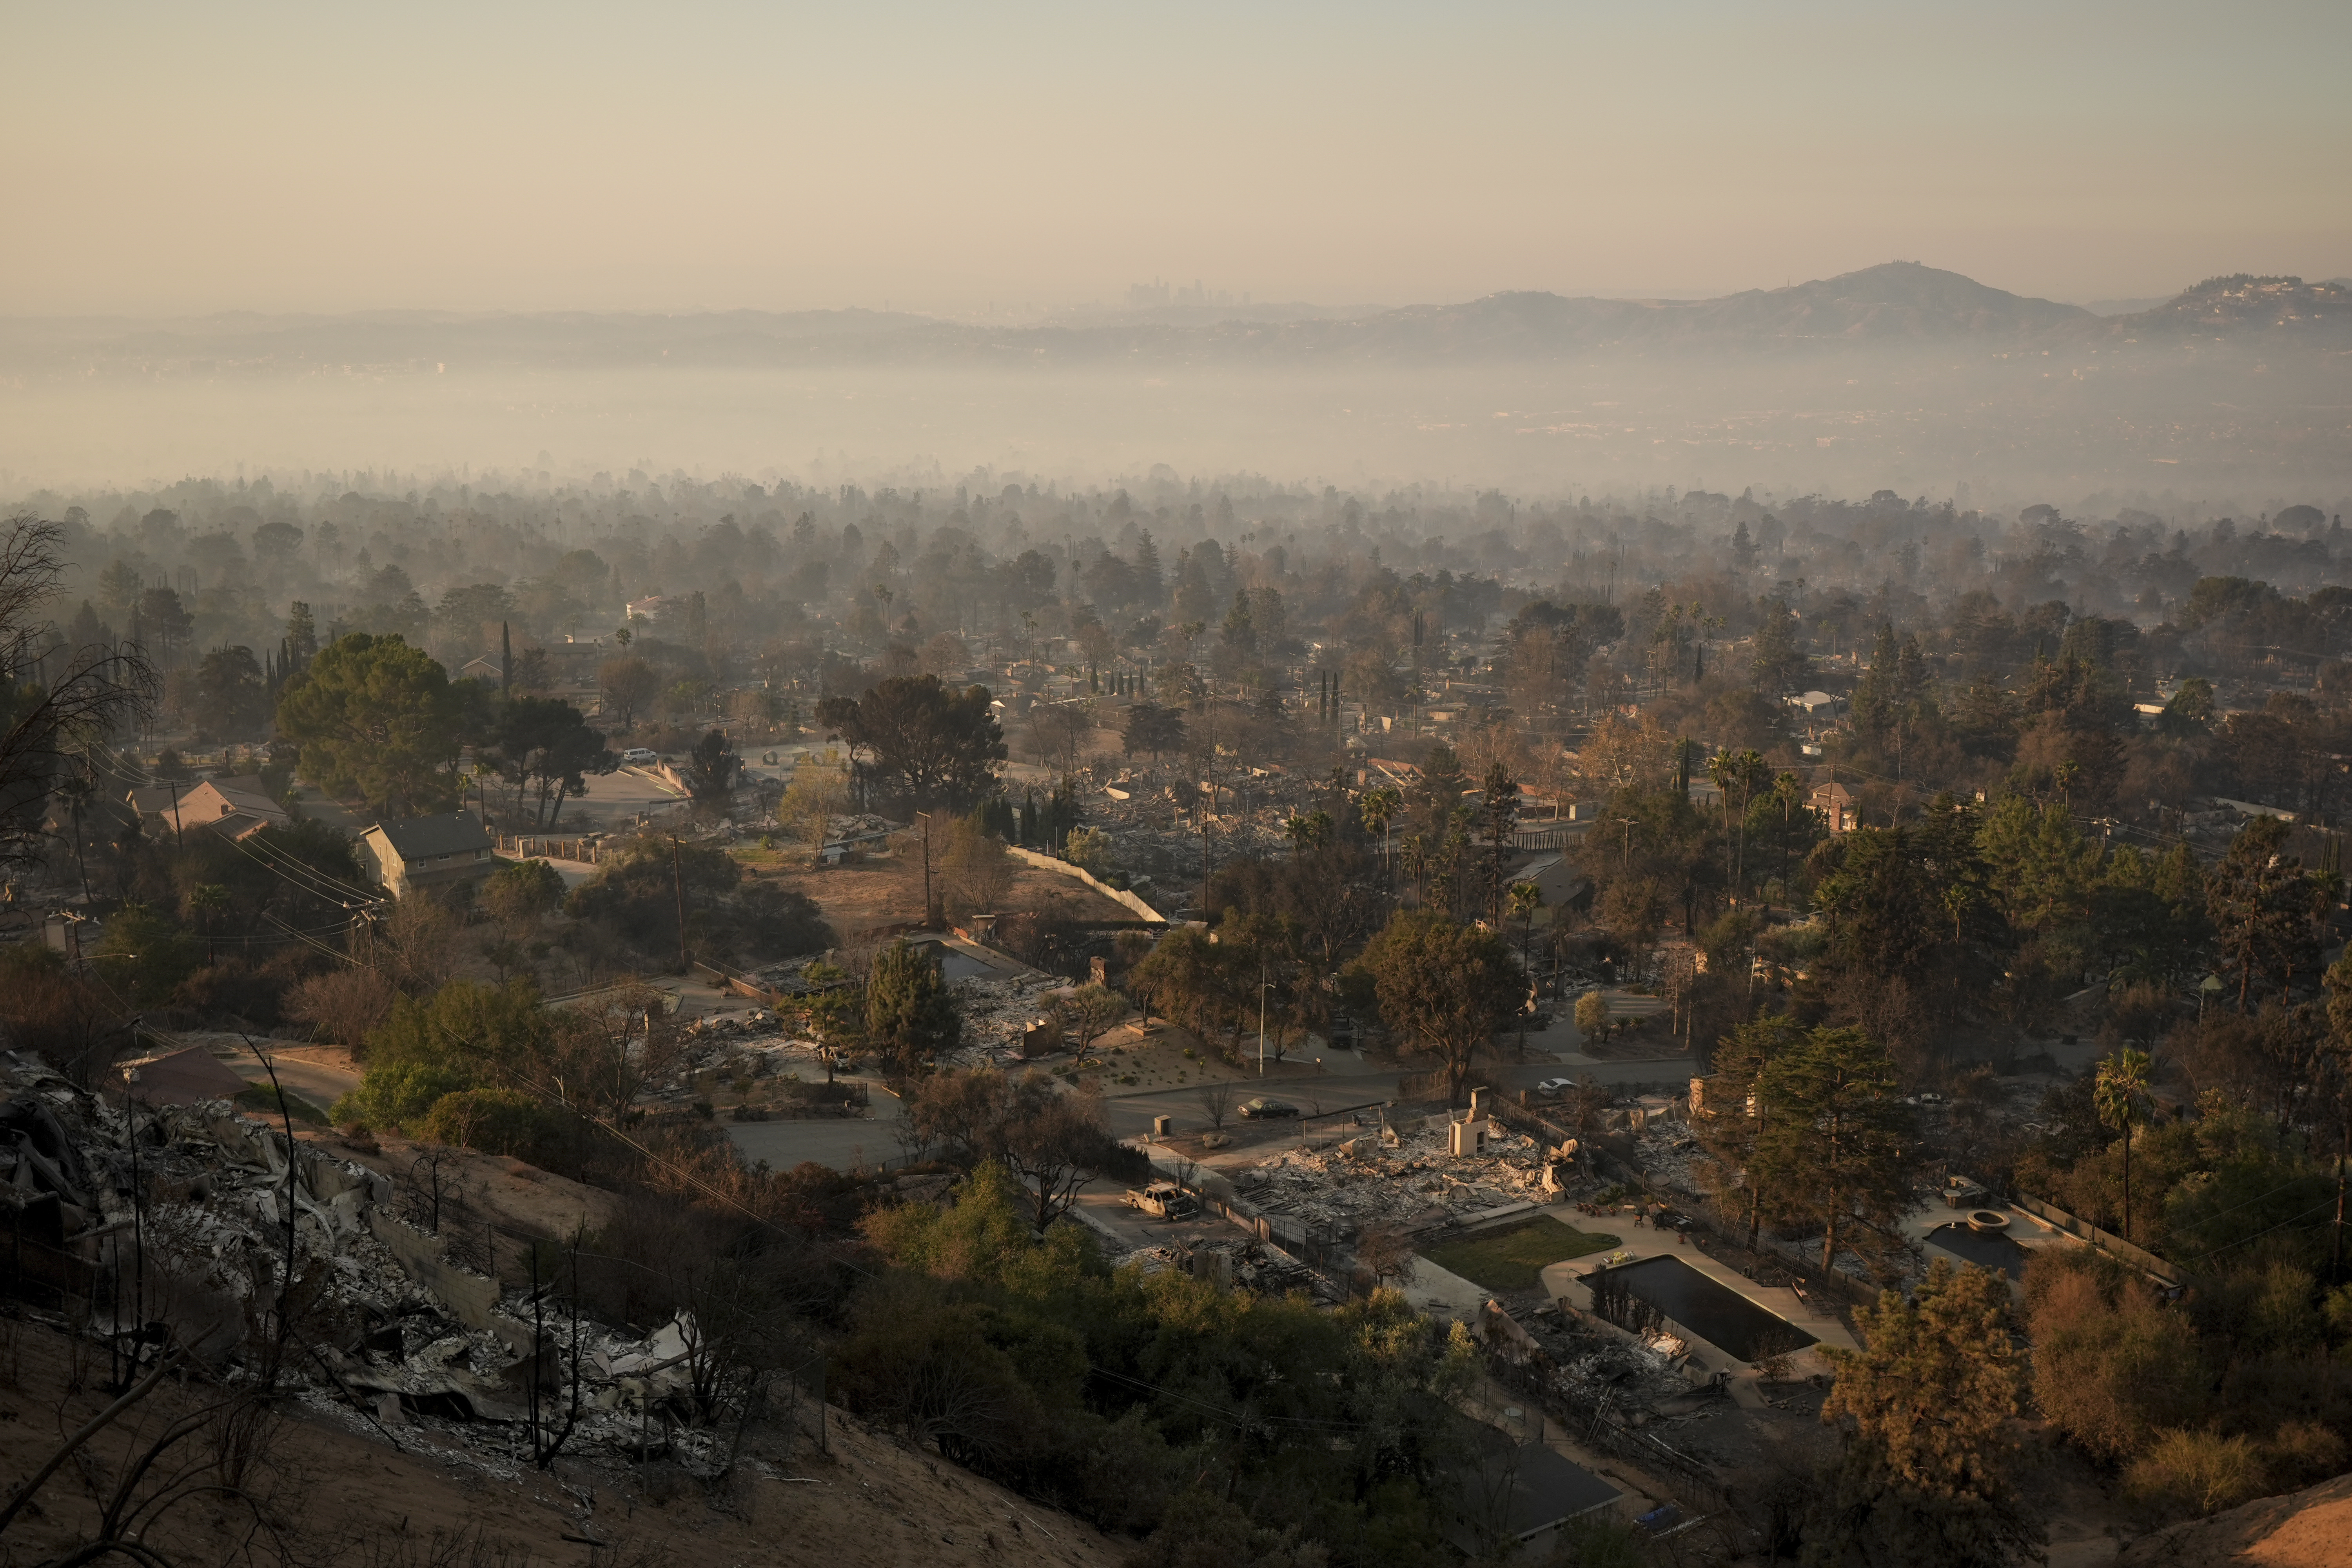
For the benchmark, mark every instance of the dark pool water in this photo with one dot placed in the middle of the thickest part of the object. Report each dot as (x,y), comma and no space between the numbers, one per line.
(1996,1252)
(1714,1312)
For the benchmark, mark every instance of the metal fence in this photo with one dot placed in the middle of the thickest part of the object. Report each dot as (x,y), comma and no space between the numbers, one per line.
(527,845)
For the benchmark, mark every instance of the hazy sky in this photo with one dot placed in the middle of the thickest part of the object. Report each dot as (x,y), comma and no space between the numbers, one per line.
(314,156)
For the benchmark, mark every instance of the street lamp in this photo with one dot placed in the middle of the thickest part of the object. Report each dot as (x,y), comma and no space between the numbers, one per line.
(1261,1018)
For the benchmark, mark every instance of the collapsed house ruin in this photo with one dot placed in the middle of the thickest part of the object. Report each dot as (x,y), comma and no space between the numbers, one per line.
(183,1225)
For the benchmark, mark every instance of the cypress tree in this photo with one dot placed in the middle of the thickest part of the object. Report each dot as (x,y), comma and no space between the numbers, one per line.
(910,1017)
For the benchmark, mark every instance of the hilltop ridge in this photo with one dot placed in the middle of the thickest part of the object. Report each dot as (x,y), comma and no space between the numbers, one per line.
(1891,305)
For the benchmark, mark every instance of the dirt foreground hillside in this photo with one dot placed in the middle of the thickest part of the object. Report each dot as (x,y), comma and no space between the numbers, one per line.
(335,1491)
(2309,1528)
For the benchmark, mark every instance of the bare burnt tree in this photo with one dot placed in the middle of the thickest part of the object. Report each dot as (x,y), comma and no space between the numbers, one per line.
(54,698)
(1054,1142)
(548,1434)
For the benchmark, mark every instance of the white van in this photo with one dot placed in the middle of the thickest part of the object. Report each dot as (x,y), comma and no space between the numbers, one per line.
(637,756)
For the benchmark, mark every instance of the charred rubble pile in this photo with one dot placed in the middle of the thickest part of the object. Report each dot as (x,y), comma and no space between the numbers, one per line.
(1235,1263)
(1392,1179)
(1157,826)
(1632,1397)
(1002,1020)
(181,1227)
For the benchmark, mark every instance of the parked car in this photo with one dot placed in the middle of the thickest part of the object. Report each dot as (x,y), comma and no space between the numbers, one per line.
(1556,1086)
(1260,1109)
(637,755)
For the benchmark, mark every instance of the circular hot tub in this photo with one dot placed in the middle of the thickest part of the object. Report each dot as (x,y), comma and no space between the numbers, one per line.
(1988,1222)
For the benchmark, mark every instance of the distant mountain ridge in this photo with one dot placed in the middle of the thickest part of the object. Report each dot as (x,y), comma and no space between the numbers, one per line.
(1894,305)
(1898,300)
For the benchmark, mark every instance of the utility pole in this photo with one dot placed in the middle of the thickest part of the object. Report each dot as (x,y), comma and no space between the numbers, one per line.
(1261,1018)
(930,909)
(1206,866)
(2336,1270)
(678,886)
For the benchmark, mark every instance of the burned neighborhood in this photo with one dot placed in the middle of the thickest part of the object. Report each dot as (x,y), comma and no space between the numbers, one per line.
(1152,790)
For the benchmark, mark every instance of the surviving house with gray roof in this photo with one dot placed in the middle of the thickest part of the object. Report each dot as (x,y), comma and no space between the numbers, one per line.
(429,854)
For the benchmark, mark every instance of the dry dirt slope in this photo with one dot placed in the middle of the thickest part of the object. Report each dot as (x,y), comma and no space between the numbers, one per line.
(2309,1528)
(352,1497)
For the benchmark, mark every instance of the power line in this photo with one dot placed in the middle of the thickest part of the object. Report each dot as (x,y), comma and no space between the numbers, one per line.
(2321,1207)
(273,857)
(278,855)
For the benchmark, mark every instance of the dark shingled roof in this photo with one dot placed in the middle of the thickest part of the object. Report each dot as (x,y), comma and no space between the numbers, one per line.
(422,838)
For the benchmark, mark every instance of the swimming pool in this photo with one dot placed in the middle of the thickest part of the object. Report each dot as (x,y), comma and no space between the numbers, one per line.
(1715,1312)
(1995,1252)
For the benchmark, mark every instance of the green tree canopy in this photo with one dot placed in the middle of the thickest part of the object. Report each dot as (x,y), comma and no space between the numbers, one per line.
(466,1035)
(910,1015)
(1445,987)
(520,891)
(230,693)
(925,743)
(1838,1148)
(638,892)
(628,683)
(1153,728)
(1923,1405)
(2040,867)
(2265,907)
(542,745)
(376,717)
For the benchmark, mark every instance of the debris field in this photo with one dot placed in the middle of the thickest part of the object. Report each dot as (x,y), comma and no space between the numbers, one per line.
(393,1326)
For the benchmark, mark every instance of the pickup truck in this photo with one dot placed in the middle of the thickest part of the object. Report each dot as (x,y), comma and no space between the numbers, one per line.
(1164,1199)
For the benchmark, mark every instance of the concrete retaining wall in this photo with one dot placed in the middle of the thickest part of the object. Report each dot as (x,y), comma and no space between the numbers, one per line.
(1117,895)
(2139,1258)
(471,1297)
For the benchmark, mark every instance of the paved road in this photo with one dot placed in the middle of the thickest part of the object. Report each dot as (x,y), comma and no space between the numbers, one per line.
(317,1082)
(840,1143)
(615,800)
(1105,1203)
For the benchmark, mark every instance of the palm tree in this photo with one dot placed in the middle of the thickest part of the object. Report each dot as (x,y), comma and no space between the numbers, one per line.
(1743,772)
(1380,808)
(1789,792)
(2119,1092)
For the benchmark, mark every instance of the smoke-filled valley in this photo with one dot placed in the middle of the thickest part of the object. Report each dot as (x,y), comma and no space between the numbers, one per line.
(681,881)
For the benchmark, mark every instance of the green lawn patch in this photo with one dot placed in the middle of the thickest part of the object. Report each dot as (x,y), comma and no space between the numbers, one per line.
(264,1098)
(1514,1258)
